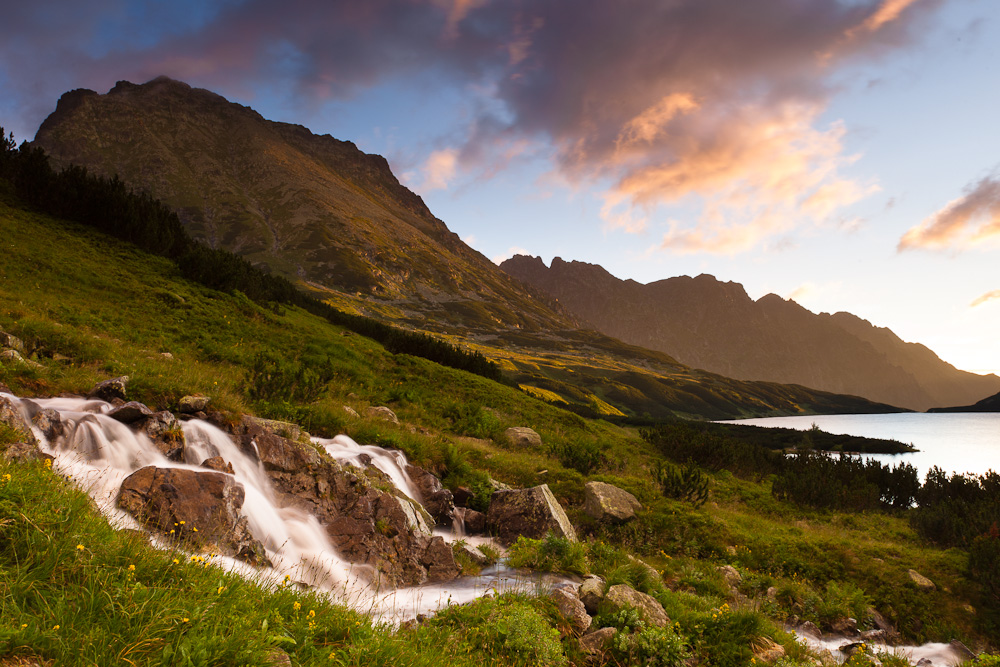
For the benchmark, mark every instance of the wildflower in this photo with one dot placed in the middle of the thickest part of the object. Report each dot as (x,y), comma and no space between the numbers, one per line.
(194,528)
(182,523)
(312,613)
(222,588)
(296,606)
(79,547)
(186,619)
(176,562)
(6,477)
(55,627)
(48,464)
(24,625)
(131,568)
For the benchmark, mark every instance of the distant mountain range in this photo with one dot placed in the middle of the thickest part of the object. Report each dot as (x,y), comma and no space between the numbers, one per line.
(988,404)
(310,207)
(705,323)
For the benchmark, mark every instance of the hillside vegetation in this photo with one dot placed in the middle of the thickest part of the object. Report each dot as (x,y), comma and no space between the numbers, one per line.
(89,307)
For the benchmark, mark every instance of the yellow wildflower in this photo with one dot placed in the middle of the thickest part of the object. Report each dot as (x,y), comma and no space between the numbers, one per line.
(296,606)
(79,547)
(55,627)
(131,568)
(312,614)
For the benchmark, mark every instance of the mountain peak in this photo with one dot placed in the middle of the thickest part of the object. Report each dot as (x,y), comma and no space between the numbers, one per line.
(308,206)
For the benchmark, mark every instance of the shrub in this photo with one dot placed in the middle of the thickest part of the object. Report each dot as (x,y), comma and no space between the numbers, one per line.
(580,455)
(551,554)
(686,483)
(654,647)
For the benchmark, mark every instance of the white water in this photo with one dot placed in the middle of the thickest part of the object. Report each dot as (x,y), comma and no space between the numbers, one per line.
(956,442)
(938,653)
(97,453)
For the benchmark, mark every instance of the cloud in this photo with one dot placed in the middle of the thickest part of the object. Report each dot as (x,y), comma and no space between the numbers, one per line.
(708,102)
(971,220)
(989,296)
(436,172)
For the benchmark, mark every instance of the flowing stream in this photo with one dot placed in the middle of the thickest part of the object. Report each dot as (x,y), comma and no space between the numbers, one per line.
(98,452)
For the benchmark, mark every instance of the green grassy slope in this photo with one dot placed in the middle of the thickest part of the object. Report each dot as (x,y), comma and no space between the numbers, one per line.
(89,307)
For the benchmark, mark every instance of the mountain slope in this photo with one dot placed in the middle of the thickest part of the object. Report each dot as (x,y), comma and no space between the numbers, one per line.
(309,207)
(708,324)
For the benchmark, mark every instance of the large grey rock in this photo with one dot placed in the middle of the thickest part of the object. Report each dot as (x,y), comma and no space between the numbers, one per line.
(474,522)
(592,592)
(437,500)
(598,641)
(130,412)
(109,390)
(49,422)
(196,507)
(12,342)
(522,436)
(192,404)
(572,609)
(606,502)
(622,595)
(530,512)
(165,431)
(382,412)
(921,582)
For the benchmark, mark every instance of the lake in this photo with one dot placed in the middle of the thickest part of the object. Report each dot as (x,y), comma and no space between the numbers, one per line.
(960,442)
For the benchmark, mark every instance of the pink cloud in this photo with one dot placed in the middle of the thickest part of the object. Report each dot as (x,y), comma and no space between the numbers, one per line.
(971,220)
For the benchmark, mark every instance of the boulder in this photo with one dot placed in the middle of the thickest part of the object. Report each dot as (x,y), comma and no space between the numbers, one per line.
(591,592)
(522,436)
(473,554)
(130,412)
(175,502)
(382,412)
(351,412)
(49,422)
(598,641)
(218,464)
(11,415)
(606,502)
(767,650)
(436,499)
(961,650)
(732,576)
(572,609)
(809,629)
(473,522)
(530,512)
(283,429)
(846,626)
(622,595)
(921,582)
(883,624)
(189,405)
(462,496)
(109,390)
(166,433)
(12,342)
(14,358)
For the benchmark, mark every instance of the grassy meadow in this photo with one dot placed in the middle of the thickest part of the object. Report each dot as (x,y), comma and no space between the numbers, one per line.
(74,592)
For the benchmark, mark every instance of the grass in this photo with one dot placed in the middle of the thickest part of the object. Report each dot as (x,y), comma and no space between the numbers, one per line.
(822,564)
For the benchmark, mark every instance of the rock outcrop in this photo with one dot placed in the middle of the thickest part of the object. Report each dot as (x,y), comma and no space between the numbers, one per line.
(109,390)
(196,507)
(530,512)
(437,500)
(606,502)
(572,609)
(522,437)
(622,595)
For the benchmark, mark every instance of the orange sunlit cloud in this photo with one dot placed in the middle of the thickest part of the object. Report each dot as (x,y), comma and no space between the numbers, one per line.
(968,221)
(989,296)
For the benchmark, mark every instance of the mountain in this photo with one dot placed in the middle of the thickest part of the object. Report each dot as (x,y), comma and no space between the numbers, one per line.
(337,222)
(312,208)
(709,324)
(988,404)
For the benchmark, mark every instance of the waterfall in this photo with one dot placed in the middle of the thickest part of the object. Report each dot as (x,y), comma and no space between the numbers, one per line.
(98,452)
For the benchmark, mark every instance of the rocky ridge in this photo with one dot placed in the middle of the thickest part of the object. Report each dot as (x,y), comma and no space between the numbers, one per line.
(713,325)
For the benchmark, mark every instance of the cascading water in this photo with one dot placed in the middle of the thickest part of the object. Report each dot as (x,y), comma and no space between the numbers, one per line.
(98,452)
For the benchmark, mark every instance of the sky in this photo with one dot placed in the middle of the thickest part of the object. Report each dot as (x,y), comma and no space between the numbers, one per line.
(842,153)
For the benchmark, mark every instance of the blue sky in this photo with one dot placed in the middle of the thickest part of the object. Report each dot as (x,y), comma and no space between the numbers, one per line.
(840,152)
